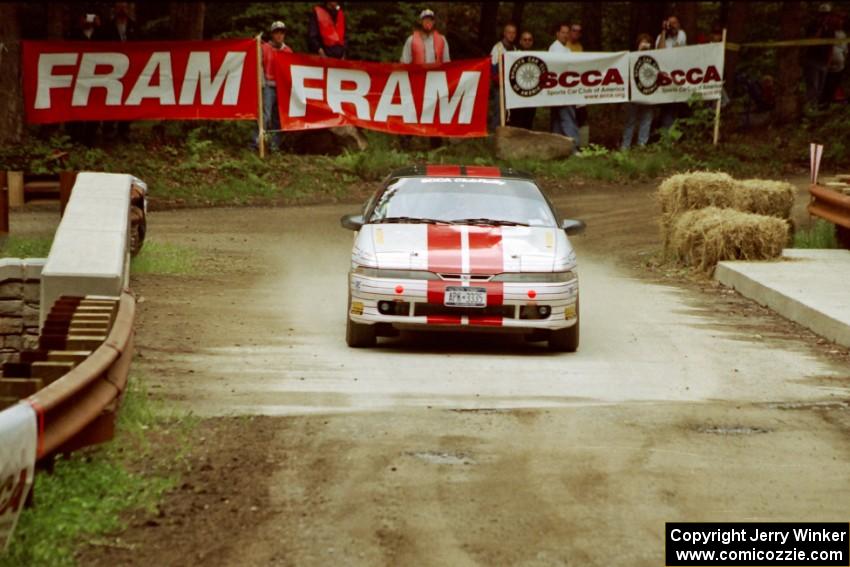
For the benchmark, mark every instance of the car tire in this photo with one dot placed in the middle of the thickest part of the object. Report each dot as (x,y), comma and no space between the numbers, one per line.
(565,340)
(358,335)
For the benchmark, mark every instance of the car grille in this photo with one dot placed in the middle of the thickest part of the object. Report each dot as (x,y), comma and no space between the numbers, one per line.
(426,309)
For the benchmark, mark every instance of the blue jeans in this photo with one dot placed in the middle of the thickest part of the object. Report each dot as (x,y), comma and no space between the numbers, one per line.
(639,115)
(271,118)
(563,122)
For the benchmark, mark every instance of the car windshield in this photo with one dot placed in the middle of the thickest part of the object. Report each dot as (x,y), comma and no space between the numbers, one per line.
(463,200)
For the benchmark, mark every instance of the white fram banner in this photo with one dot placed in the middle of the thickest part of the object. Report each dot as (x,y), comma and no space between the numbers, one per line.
(543,78)
(674,75)
(18,445)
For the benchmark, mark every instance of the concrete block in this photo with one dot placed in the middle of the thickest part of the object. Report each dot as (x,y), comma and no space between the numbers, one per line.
(809,287)
(11,269)
(11,307)
(11,289)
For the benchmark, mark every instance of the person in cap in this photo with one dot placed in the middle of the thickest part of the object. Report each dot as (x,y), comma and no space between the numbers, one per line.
(271,116)
(426,44)
(326,31)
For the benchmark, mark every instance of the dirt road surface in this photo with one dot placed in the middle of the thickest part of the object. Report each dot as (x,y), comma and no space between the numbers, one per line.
(681,405)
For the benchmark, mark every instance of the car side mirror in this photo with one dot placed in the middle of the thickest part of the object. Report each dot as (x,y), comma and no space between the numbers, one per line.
(573,226)
(352,222)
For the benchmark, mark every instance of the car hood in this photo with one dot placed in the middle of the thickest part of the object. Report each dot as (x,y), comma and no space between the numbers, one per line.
(463,249)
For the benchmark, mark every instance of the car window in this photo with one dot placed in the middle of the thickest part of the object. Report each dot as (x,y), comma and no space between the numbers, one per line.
(454,198)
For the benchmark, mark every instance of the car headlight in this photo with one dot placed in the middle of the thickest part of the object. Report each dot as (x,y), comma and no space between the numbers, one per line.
(536,277)
(394,274)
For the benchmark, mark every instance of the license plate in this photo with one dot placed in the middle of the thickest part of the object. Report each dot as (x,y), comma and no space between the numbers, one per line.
(465,297)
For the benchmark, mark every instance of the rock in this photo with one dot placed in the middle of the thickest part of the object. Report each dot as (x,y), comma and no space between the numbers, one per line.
(11,290)
(329,141)
(30,315)
(519,143)
(11,325)
(32,292)
(11,307)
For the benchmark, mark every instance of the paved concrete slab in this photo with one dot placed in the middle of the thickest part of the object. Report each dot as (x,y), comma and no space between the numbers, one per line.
(810,287)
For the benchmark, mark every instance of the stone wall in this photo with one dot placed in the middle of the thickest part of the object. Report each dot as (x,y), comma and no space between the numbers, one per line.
(20,290)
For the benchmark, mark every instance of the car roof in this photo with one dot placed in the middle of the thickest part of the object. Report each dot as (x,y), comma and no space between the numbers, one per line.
(441,170)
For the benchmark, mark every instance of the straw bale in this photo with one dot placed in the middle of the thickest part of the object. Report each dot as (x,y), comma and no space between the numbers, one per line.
(764,197)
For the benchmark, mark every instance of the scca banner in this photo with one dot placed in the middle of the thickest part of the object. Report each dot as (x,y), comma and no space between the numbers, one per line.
(182,80)
(543,78)
(424,100)
(18,446)
(674,75)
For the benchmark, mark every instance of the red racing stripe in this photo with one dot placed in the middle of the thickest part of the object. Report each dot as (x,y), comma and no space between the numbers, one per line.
(444,319)
(485,250)
(483,171)
(444,249)
(442,170)
(485,321)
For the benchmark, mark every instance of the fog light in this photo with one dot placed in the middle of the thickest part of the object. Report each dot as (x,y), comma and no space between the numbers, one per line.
(385,307)
(544,310)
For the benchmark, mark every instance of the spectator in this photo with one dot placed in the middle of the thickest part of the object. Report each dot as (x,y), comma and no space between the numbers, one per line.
(816,60)
(523,117)
(88,29)
(637,114)
(574,38)
(672,34)
(563,118)
(121,28)
(835,67)
(425,44)
(271,116)
(574,45)
(326,31)
(507,43)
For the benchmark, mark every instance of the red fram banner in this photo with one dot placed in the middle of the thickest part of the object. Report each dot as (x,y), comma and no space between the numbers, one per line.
(425,100)
(210,80)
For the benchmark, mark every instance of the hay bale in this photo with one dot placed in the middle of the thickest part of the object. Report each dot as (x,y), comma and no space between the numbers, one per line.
(764,197)
(703,237)
(695,190)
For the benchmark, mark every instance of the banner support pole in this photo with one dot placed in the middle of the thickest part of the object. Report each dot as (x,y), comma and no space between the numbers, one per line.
(261,130)
(502,89)
(720,99)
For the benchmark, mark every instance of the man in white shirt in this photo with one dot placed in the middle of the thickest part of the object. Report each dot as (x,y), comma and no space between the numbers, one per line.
(672,34)
(507,43)
(563,118)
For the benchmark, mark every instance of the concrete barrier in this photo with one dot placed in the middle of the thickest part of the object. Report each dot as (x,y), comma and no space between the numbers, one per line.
(90,254)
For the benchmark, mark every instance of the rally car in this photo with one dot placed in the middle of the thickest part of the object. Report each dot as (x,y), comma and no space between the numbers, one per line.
(462,248)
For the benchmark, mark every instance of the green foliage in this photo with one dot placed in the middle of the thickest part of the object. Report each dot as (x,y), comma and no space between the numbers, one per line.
(25,247)
(821,234)
(86,494)
(372,165)
(163,258)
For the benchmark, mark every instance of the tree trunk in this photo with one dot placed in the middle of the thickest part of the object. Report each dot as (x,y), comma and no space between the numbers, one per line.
(487,25)
(688,12)
(788,103)
(646,17)
(11,107)
(187,20)
(516,16)
(58,20)
(591,26)
(736,32)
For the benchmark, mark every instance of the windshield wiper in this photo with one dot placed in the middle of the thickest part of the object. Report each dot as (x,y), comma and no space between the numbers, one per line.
(409,220)
(492,222)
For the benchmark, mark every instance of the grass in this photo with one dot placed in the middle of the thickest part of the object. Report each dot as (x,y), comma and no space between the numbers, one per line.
(821,234)
(163,258)
(87,494)
(25,247)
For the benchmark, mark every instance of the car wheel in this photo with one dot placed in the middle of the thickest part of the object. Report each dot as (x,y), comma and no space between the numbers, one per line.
(565,340)
(358,335)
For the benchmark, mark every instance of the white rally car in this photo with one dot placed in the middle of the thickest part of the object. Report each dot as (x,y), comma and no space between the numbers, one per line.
(462,248)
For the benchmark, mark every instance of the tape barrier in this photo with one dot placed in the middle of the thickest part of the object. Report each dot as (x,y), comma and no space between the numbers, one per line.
(787,43)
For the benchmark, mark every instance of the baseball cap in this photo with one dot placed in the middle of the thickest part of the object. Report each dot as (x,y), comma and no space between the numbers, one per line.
(427,13)
(278,25)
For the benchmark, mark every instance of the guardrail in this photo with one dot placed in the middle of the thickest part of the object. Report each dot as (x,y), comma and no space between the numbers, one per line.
(834,207)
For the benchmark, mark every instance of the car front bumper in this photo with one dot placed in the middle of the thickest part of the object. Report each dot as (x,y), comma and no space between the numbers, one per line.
(418,304)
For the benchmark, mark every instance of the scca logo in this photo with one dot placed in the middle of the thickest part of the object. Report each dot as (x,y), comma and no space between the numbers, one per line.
(529,75)
(649,76)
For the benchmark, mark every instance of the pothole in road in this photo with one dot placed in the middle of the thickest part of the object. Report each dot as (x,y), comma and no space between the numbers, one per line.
(441,458)
(731,430)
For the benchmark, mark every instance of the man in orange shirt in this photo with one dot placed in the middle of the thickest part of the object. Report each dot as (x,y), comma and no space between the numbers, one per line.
(271,116)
